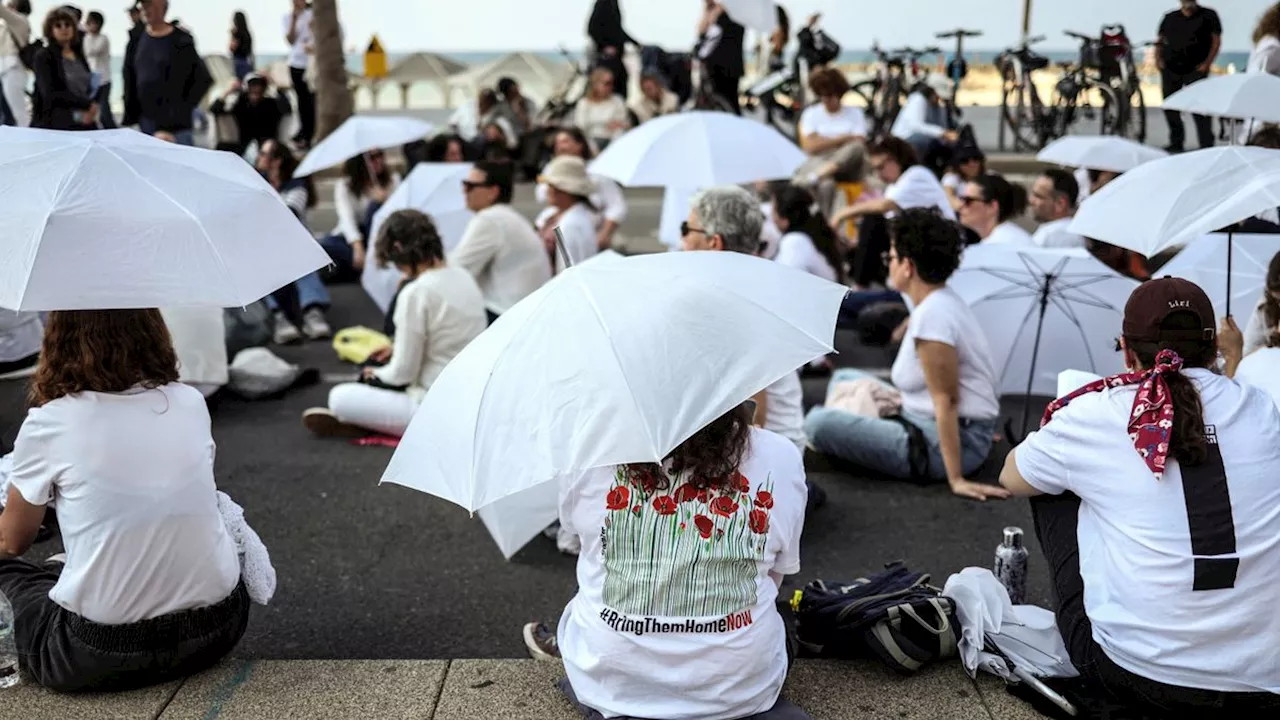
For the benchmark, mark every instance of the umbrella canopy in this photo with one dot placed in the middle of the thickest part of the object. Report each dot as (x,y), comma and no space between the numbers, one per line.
(360,134)
(761,15)
(1204,262)
(606,365)
(435,189)
(1243,96)
(114,219)
(1173,201)
(1109,152)
(1044,311)
(698,149)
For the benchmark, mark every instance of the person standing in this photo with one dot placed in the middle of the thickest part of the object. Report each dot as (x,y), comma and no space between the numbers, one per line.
(168,76)
(721,52)
(241,45)
(15,34)
(1190,38)
(301,39)
(97,50)
(610,40)
(137,28)
(1265,57)
(64,84)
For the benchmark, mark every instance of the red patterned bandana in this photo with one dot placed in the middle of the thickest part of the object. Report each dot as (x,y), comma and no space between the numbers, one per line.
(1151,422)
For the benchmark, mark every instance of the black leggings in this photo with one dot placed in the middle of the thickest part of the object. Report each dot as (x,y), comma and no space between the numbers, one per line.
(306,105)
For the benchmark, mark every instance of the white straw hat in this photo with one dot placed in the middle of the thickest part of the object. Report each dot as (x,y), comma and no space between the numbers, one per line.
(568,173)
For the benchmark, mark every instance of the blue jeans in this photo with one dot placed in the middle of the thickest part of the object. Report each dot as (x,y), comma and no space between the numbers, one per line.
(183,137)
(311,293)
(883,446)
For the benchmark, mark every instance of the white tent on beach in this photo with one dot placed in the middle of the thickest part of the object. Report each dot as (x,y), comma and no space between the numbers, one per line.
(539,77)
(423,67)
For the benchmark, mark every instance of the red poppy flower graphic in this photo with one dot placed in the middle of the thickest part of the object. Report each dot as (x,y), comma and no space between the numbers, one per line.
(703,496)
(764,499)
(636,509)
(665,505)
(740,483)
(759,522)
(619,498)
(724,506)
(686,493)
(704,526)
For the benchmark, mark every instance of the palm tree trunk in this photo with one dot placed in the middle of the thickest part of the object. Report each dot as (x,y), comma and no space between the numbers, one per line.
(334,103)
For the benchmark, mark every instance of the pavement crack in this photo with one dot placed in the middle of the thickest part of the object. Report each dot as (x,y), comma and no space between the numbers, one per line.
(164,706)
(448,665)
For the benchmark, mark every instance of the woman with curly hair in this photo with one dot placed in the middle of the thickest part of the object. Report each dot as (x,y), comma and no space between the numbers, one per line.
(681,562)
(438,311)
(151,589)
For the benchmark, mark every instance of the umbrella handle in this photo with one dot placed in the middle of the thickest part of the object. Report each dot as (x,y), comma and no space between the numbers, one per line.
(564,253)
(1230,236)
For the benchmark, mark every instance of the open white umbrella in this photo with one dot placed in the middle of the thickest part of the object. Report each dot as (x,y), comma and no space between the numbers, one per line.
(760,15)
(114,219)
(1243,96)
(1102,152)
(360,134)
(698,149)
(432,188)
(1044,311)
(605,365)
(1204,262)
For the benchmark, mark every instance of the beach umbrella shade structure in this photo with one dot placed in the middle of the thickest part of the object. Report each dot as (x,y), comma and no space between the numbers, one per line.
(1101,152)
(605,365)
(1242,96)
(759,15)
(1204,262)
(1044,311)
(432,188)
(114,219)
(698,150)
(361,134)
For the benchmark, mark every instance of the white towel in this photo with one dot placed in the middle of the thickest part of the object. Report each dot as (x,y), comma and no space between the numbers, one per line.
(255,564)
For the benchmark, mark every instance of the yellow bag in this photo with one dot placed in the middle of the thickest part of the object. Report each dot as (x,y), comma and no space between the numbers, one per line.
(356,344)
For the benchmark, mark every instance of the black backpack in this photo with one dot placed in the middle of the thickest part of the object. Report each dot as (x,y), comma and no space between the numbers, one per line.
(894,615)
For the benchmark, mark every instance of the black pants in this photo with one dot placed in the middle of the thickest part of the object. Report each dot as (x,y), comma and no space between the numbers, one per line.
(1171,83)
(67,653)
(306,105)
(725,85)
(1056,518)
(867,268)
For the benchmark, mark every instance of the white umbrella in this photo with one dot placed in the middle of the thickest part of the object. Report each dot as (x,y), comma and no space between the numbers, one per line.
(360,134)
(761,15)
(1104,152)
(1204,262)
(114,219)
(1243,96)
(606,365)
(435,189)
(698,149)
(1044,311)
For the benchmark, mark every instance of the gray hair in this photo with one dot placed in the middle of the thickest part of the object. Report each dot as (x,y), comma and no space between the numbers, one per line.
(733,214)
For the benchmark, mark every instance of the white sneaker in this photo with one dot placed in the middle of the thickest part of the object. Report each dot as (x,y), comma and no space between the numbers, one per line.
(286,333)
(314,324)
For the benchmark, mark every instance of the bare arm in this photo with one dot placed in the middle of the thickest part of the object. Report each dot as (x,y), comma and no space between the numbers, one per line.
(1013,481)
(878,206)
(1213,53)
(19,524)
(292,34)
(816,144)
(941,365)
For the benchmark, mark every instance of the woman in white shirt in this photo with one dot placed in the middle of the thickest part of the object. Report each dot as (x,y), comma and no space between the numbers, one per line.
(1264,322)
(568,209)
(922,123)
(675,615)
(365,185)
(1155,503)
(990,205)
(808,243)
(601,114)
(439,311)
(151,589)
(610,205)
(97,50)
(943,373)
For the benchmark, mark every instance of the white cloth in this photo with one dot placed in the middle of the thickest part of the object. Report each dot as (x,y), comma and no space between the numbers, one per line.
(913,119)
(594,117)
(578,226)
(646,109)
(466,121)
(1008,232)
(503,253)
(255,562)
(200,340)
(796,249)
(669,625)
(944,317)
(15,34)
(1255,331)
(351,209)
(377,409)
(1082,181)
(784,409)
(1262,370)
(816,120)
(1054,234)
(1265,58)
(13,83)
(1136,556)
(953,182)
(770,235)
(298,55)
(97,50)
(919,188)
(437,314)
(607,199)
(21,335)
(132,474)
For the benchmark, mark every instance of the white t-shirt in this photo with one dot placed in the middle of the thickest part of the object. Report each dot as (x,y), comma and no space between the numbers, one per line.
(919,188)
(578,225)
(1009,233)
(1136,555)
(1054,234)
(913,119)
(1261,369)
(298,55)
(504,254)
(816,120)
(945,317)
(797,250)
(132,474)
(674,616)
(784,409)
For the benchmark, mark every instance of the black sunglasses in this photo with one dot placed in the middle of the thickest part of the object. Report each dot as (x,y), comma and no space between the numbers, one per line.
(469,185)
(968,200)
(686,228)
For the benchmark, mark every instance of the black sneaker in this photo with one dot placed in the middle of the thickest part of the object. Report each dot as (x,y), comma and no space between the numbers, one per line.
(541,641)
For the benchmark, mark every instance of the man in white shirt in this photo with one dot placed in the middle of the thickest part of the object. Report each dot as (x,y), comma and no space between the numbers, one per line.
(922,123)
(1053,203)
(298,34)
(15,33)
(500,248)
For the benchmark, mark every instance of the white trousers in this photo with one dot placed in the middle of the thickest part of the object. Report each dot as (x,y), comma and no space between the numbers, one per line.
(385,411)
(13,83)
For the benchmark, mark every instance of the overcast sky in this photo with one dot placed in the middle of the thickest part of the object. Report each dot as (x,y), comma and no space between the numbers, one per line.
(486,25)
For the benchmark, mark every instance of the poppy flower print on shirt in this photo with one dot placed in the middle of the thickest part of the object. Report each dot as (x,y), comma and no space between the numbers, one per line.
(619,498)
(665,505)
(724,506)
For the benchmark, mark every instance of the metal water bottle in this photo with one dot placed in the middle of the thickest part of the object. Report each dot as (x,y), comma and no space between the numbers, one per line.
(1011,565)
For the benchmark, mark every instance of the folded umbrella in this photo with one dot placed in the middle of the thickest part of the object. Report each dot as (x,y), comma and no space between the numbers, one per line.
(1109,152)
(360,134)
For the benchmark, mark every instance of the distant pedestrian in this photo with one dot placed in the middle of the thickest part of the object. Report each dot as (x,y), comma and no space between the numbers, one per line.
(301,39)
(610,40)
(64,95)
(1190,39)
(15,34)
(241,45)
(136,30)
(720,49)
(97,50)
(168,77)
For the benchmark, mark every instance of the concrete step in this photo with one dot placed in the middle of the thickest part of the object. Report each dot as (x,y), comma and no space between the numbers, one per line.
(508,689)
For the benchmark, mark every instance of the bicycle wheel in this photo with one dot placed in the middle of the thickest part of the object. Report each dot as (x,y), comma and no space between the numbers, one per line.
(1114,116)
(864,97)
(1137,125)
(1018,112)
(889,104)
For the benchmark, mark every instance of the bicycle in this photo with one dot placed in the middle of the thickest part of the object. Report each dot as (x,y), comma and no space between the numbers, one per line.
(1120,69)
(1089,75)
(897,72)
(957,70)
(784,94)
(566,98)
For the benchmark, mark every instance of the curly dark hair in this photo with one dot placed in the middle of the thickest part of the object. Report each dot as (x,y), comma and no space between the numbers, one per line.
(710,458)
(103,351)
(827,81)
(931,242)
(1271,306)
(56,17)
(408,238)
(896,148)
(1187,442)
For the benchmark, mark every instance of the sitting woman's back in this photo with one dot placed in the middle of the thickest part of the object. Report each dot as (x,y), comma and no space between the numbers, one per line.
(678,576)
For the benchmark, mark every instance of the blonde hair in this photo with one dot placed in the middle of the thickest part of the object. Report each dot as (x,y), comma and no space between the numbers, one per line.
(598,74)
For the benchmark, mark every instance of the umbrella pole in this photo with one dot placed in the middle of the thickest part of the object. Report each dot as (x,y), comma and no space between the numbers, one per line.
(564,253)
(1035,351)
(1230,236)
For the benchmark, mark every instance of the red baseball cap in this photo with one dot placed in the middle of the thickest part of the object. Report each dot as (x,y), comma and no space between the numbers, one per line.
(1156,300)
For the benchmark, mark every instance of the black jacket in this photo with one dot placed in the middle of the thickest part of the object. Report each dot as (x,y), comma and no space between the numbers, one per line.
(727,56)
(54,105)
(131,111)
(605,26)
(187,82)
(259,122)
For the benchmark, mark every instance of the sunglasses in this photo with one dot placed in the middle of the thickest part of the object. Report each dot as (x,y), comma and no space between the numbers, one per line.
(468,185)
(967,200)
(686,228)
